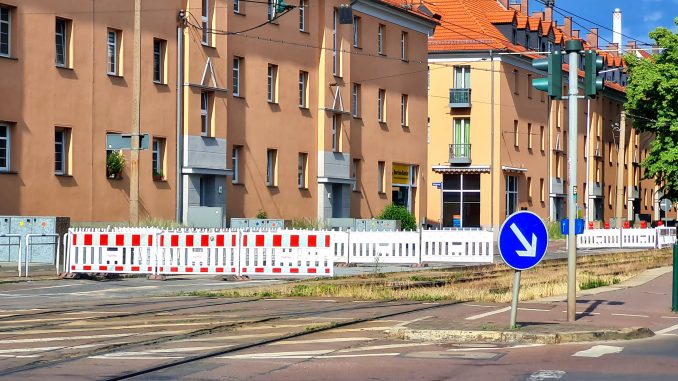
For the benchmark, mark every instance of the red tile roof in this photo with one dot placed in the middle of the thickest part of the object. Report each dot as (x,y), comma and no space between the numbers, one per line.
(409,6)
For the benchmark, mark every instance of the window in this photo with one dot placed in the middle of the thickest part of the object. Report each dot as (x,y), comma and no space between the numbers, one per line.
(404,46)
(303,4)
(462,77)
(303,89)
(336,70)
(159,61)
(206,99)
(559,172)
(516,83)
(381,106)
(404,112)
(527,40)
(461,200)
(356,31)
(355,99)
(336,133)
(516,135)
(609,152)
(61,149)
(355,173)
(113,63)
(159,159)
(62,32)
(529,136)
(514,38)
(205,22)
(236,6)
(381,180)
(237,61)
(302,171)
(5,31)
(529,86)
(272,84)
(462,138)
(529,188)
(380,39)
(542,191)
(270,9)
(272,167)
(609,196)
(542,138)
(235,163)
(511,194)
(5,143)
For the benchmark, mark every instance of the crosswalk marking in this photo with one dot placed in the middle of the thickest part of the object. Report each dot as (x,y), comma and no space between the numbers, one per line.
(598,350)
(480,316)
(667,330)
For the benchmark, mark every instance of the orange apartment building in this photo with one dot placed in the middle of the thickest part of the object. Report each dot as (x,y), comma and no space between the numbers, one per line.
(296,114)
(497,145)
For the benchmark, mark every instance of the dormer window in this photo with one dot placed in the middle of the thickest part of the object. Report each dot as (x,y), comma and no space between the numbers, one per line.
(515,37)
(527,40)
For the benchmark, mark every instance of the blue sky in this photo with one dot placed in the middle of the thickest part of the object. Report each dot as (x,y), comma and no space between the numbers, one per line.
(639,17)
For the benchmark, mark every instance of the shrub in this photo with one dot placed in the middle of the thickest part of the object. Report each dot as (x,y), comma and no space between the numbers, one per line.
(115,162)
(262,214)
(400,213)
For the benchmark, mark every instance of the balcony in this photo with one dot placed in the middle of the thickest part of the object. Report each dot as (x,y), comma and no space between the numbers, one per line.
(460,154)
(460,98)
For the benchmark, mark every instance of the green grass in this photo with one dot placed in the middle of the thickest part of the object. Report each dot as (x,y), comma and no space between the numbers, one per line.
(594,283)
(553,229)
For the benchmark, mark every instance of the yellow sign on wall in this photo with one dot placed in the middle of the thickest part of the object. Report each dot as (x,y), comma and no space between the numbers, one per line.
(401,174)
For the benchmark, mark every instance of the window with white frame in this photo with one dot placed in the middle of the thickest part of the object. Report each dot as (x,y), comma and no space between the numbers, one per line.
(529,136)
(272,84)
(271,167)
(159,61)
(302,171)
(356,31)
(381,106)
(303,4)
(355,99)
(61,140)
(113,64)
(237,63)
(380,39)
(404,46)
(462,77)
(62,31)
(516,134)
(336,133)
(404,110)
(272,9)
(336,69)
(303,89)
(5,31)
(355,174)
(236,6)
(205,18)
(5,144)
(381,176)
(511,194)
(158,159)
(235,163)
(206,113)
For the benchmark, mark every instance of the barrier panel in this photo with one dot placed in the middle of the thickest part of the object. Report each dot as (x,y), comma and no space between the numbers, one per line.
(639,238)
(666,236)
(200,252)
(287,252)
(340,243)
(599,239)
(374,247)
(91,252)
(457,246)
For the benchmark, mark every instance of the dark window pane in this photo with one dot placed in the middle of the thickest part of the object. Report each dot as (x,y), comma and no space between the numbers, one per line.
(472,182)
(451,196)
(471,197)
(452,182)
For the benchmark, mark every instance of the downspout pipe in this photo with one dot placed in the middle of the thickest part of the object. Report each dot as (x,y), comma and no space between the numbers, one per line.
(180,116)
(492,166)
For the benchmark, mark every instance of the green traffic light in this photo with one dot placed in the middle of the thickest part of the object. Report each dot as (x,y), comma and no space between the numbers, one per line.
(553,82)
(593,63)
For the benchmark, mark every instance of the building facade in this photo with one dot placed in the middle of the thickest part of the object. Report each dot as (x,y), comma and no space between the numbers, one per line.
(284,110)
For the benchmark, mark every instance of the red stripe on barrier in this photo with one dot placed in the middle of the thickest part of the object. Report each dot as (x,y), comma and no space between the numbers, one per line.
(174,240)
(136,240)
(311,271)
(327,271)
(74,239)
(162,240)
(88,240)
(233,269)
(259,240)
(327,241)
(87,268)
(72,267)
(234,240)
(244,269)
(151,268)
(294,240)
(312,241)
(259,270)
(277,270)
(189,240)
(103,240)
(294,270)
(244,240)
(118,268)
(161,269)
(204,240)
(119,240)
(277,240)
(136,268)
(174,269)
(204,269)
(189,269)
(150,240)
(220,241)
(219,269)
(103,268)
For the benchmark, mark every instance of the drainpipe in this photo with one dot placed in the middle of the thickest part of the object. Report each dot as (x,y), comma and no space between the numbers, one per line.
(180,116)
(551,201)
(587,200)
(492,208)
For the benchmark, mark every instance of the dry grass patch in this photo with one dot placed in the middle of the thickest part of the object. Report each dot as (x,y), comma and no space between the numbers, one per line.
(489,283)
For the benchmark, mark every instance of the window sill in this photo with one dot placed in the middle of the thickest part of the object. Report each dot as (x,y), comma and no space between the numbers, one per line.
(273,103)
(304,188)
(164,84)
(357,191)
(304,31)
(303,108)
(238,96)
(237,183)
(9,58)
(62,175)
(381,54)
(160,180)
(405,60)
(239,13)
(357,116)
(381,192)
(207,45)
(64,67)
(271,186)
(3,172)
(114,75)
(357,47)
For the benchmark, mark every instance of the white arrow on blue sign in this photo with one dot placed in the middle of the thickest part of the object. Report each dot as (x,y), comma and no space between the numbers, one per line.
(523,240)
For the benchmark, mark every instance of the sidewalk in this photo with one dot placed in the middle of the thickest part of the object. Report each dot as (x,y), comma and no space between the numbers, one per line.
(9,272)
(637,308)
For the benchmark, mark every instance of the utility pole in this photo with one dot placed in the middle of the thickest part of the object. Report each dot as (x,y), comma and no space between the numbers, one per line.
(572,48)
(136,119)
(619,209)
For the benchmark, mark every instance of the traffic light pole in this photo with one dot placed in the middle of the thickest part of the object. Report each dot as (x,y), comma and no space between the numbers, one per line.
(573,48)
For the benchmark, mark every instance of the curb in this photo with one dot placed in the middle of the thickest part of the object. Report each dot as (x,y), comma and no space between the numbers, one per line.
(517,337)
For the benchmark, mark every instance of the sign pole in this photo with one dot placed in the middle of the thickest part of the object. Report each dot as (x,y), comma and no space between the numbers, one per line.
(514,302)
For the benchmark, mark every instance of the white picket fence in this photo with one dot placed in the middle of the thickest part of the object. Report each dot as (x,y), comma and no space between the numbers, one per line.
(626,238)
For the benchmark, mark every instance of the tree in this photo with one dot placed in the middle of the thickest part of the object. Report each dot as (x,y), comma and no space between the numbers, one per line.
(652,102)
(400,213)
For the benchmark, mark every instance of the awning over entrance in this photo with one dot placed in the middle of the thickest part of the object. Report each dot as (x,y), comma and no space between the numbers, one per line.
(461,170)
(507,168)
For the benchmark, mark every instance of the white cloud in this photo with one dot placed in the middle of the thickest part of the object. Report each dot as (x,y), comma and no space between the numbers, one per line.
(654,16)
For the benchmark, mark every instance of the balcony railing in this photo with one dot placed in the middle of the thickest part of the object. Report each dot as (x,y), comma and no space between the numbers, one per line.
(460,98)
(460,154)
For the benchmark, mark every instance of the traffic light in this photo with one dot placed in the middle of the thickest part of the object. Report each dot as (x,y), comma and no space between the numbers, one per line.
(280,6)
(553,82)
(592,65)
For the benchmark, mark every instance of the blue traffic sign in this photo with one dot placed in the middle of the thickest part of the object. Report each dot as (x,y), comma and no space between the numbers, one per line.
(523,240)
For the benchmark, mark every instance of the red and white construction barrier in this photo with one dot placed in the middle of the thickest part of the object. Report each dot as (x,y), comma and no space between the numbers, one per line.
(92,252)
(202,253)
(286,252)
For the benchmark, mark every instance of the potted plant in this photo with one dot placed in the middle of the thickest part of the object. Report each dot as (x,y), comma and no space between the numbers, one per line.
(158,175)
(115,163)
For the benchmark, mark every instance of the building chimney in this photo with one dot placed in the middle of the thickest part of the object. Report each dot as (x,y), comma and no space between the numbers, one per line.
(592,38)
(567,27)
(575,34)
(631,45)
(538,14)
(515,6)
(613,48)
(504,3)
(548,14)
(524,9)
(617,28)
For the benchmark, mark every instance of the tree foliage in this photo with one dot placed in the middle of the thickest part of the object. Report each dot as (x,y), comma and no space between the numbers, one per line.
(400,213)
(652,102)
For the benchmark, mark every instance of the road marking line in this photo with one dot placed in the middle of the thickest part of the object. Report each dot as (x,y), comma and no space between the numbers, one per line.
(585,313)
(19,356)
(480,316)
(542,375)
(669,317)
(105,357)
(318,341)
(479,305)
(280,354)
(344,330)
(256,328)
(598,350)
(631,315)
(400,325)
(667,330)
(494,348)
(360,355)
(533,309)
(45,287)
(377,347)
(199,339)
(43,339)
